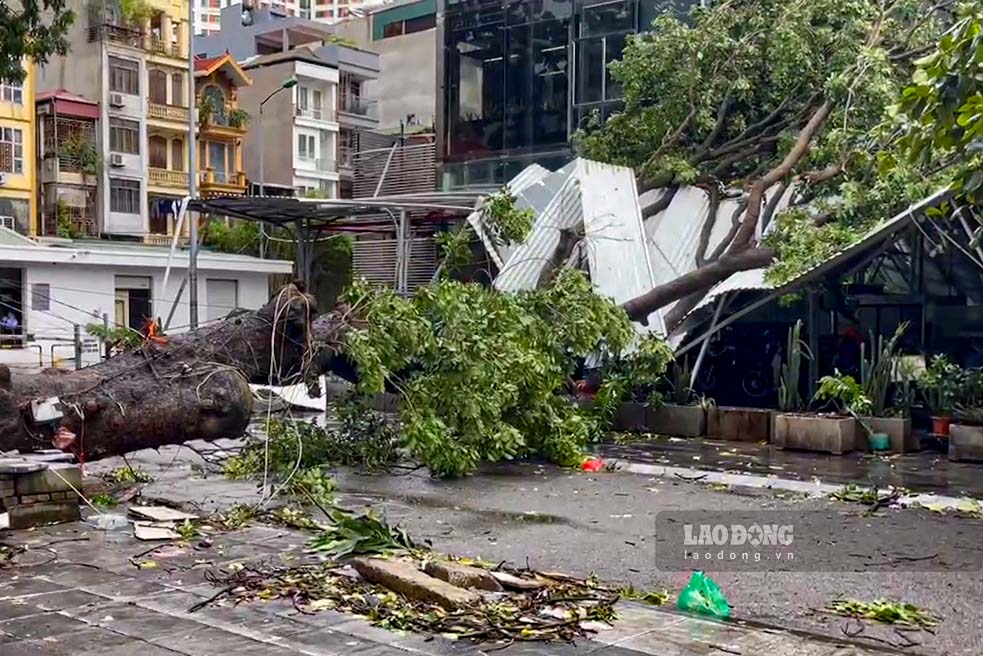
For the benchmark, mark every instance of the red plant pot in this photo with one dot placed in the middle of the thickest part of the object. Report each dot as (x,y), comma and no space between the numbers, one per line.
(940,425)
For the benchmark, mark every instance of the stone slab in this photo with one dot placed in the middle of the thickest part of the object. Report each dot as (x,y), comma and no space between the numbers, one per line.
(462,576)
(20,466)
(403,577)
(55,477)
(39,514)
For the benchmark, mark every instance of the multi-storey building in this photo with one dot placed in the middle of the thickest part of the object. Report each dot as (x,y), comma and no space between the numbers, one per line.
(517,79)
(69,164)
(329,105)
(132,60)
(222,125)
(208,12)
(17,170)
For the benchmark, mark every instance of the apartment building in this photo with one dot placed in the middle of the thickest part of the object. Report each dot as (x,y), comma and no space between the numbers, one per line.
(330,105)
(17,171)
(222,126)
(131,59)
(208,12)
(299,153)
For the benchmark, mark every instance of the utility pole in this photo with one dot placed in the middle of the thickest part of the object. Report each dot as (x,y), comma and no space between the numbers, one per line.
(192,175)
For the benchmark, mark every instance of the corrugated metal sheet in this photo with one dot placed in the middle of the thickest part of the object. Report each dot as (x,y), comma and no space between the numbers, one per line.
(620,267)
(530,192)
(526,263)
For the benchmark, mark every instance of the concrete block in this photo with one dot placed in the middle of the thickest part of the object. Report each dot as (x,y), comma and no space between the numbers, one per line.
(56,478)
(462,576)
(39,514)
(61,496)
(12,466)
(835,435)
(898,429)
(678,420)
(404,577)
(965,443)
(631,417)
(739,424)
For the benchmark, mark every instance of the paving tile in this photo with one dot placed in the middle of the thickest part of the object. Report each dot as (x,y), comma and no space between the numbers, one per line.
(11,609)
(206,641)
(22,586)
(26,648)
(39,627)
(69,599)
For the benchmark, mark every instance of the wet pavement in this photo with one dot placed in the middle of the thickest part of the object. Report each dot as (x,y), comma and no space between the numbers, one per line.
(605,523)
(80,592)
(925,471)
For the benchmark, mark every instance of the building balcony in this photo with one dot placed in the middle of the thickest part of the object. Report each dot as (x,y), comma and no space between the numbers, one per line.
(164,112)
(316,113)
(345,157)
(123,35)
(230,122)
(222,182)
(320,165)
(359,107)
(158,46)
(76,222)
(168,178)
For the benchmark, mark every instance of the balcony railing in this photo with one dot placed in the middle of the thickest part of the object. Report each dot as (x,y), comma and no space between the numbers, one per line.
(230,178)
(82,221)
(226,118)
(359,106)
(117,34)
(316,113)
(168,178)
(162,47)
(318,164)
(161,239)
(167,112)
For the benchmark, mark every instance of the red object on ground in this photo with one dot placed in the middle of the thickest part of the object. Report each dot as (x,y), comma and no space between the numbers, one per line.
(592,465)
(940,425)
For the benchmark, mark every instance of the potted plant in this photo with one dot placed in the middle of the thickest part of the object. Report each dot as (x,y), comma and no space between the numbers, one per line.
(966,433)
(878,373)
(238,118)
(850,398)
(939,385)
(686,415)
(206,109)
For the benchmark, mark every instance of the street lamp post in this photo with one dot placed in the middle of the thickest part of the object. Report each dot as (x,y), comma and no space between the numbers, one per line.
(290,82)
(286,84)
(192,175)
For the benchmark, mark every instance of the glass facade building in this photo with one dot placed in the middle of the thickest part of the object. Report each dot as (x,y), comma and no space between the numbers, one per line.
(518,77)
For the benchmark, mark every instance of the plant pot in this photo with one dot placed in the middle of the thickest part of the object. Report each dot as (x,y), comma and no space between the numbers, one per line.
(940,425)
(898,430)
(678,420)
(631,418)
(879,441)
(832,434)
(739,424)
(965,443)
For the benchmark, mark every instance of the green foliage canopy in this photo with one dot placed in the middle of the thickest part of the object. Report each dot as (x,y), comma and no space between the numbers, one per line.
(32,29)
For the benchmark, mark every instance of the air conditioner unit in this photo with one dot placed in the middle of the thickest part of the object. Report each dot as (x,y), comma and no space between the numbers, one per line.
(3,178)
(116,159)
(7,222)
(116,100)
(44,109)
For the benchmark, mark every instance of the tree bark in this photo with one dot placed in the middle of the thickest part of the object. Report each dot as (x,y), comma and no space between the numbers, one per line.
(697,280)
(194,386)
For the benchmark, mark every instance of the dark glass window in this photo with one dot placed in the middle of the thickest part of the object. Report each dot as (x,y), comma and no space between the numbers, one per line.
(420,24)
(607,17)
(477,90)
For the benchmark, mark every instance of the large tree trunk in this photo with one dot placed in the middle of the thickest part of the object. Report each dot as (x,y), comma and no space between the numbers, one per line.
(194,386)
(698,280)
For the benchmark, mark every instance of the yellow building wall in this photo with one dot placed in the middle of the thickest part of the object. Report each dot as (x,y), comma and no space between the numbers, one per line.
(22,117)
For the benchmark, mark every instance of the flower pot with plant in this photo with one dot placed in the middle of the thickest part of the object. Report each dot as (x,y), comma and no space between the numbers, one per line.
(849,398)
(685,415)
(792,428)
(939,384)
(966,433)
(879,370)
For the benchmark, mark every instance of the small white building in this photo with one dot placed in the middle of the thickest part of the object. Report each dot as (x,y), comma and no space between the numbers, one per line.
(48,288)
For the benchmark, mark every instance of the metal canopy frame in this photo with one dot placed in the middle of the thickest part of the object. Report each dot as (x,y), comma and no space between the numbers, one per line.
(308,218)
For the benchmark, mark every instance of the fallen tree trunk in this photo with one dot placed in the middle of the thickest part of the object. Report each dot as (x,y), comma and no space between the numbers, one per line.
(193,386)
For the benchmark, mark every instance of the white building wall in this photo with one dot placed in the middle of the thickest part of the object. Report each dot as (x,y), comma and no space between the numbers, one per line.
(81,294)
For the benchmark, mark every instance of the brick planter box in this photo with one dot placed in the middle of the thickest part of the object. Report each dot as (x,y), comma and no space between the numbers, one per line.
(835,435)
(631,418)
(739,424)
(898,429)
(965,443)
(678,420)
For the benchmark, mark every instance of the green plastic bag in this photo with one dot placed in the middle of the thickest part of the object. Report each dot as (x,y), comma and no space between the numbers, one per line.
(701,595)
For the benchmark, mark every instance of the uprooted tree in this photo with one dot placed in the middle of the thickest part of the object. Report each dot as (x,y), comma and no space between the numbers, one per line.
(768,102)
